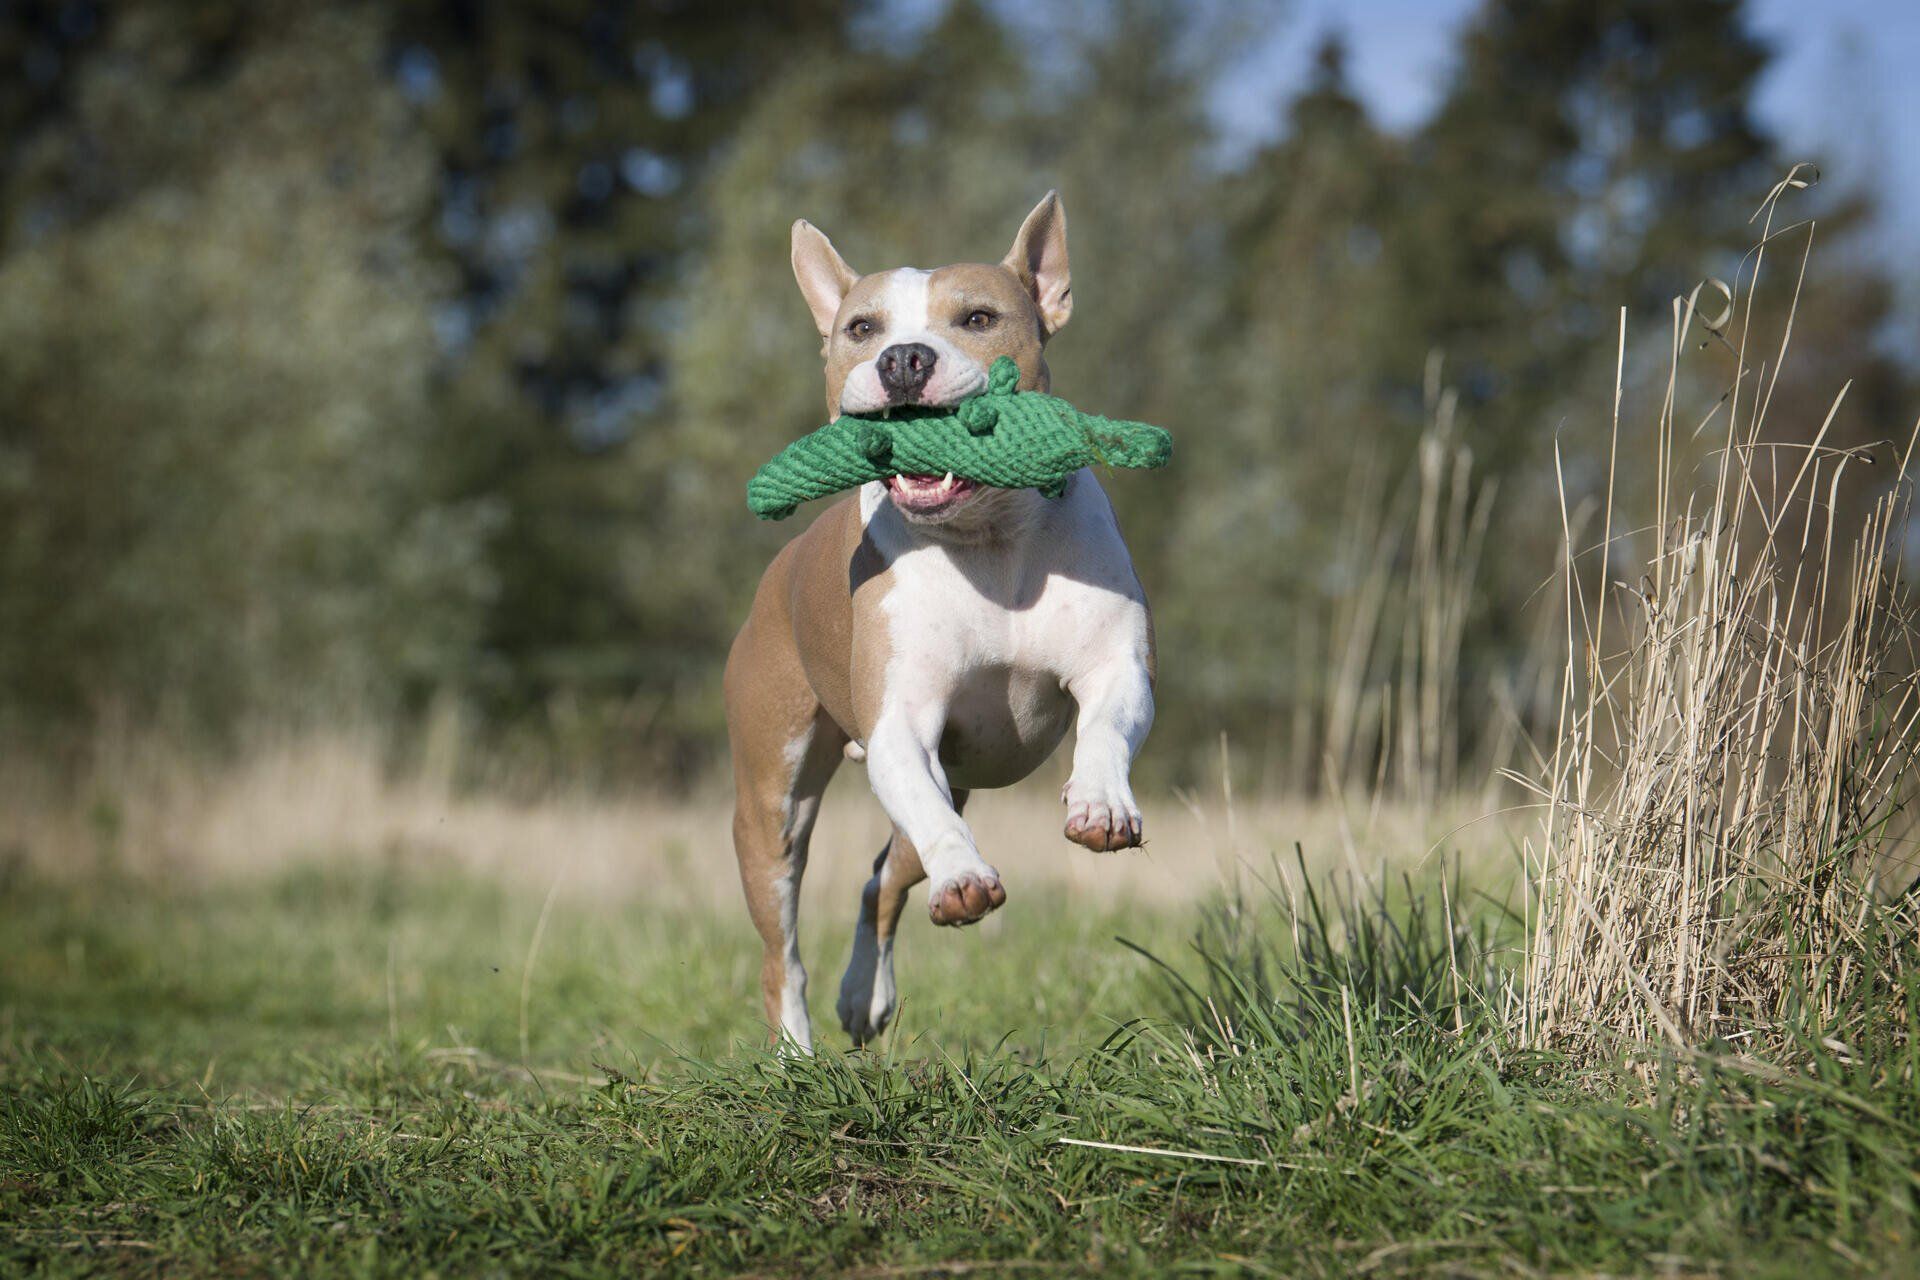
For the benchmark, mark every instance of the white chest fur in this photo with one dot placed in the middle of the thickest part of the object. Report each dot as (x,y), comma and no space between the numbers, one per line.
(991,635)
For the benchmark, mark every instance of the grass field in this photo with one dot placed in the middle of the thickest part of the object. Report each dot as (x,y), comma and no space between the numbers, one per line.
(363,1066)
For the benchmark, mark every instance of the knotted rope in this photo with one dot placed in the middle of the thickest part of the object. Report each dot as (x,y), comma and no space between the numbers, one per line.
(1003,437)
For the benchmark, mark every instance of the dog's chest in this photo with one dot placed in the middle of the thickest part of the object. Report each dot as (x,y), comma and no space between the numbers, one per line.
(995,635)
(997,671)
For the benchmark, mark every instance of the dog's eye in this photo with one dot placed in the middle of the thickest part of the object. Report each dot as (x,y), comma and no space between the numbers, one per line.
(980,320)
(860,330)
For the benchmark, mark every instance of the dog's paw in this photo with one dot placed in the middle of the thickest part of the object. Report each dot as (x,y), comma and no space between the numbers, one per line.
(861,1016)
(1101,821)
(966,898)
(867,998)
(862,1024)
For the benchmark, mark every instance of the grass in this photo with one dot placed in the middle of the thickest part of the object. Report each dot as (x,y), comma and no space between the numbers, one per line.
(319,1071)
(1726,801)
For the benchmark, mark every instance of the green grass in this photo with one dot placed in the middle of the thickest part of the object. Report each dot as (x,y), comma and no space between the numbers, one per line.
(321,1073)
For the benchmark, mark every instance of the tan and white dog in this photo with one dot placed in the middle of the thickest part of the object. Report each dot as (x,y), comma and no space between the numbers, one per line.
(944,632)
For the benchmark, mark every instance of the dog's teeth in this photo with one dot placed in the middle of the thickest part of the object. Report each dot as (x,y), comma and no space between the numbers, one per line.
(947,480)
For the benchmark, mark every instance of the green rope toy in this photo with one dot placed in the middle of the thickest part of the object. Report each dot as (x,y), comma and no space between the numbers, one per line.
(1003,438)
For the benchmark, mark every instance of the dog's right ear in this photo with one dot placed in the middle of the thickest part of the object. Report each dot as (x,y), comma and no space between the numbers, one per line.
(823,274)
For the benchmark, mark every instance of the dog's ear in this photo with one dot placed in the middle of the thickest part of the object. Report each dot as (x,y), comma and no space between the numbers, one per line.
(823,274)
(1039,258)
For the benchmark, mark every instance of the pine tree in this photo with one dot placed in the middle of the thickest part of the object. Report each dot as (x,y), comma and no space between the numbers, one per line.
(1584,157)
(1310,359)
(1587,158)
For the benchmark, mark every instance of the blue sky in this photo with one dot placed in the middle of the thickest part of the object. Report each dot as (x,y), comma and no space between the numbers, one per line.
(1843,89)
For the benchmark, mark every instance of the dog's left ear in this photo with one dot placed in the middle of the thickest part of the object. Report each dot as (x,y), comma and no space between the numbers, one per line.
(1039,258)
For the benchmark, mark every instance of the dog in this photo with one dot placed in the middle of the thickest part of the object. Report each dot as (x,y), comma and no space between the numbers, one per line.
(944,632)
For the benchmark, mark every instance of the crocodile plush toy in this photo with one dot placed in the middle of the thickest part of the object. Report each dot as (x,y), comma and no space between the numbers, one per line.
(1003,438)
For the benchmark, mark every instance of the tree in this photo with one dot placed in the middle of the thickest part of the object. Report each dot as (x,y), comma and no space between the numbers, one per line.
(1310,362)
(1584,157)
(216,490)
(575,138)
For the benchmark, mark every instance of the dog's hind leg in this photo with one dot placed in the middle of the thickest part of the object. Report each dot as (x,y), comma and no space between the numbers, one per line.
(867,995)
(785,749)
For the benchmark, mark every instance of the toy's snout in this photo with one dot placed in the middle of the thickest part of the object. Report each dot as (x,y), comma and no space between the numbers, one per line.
(905,369)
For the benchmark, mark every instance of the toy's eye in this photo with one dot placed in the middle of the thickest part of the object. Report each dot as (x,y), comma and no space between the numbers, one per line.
(862,329)
(980,320)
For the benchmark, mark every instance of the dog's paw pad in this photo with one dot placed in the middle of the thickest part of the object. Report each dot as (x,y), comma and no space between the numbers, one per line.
(966,898)
(1101,824)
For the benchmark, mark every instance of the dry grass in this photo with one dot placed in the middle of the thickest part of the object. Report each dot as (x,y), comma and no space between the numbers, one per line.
(330,797)
(1734,749)
(1387,716)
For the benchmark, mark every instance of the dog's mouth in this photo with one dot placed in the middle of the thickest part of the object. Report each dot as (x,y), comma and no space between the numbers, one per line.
(926,496)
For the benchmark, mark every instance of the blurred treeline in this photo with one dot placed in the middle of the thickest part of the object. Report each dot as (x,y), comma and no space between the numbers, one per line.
(360,360)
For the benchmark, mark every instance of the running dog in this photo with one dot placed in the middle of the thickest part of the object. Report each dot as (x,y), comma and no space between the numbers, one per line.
(944,632)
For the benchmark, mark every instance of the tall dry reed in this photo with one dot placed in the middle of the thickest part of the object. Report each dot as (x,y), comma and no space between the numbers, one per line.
(1737,729)
(1389,700)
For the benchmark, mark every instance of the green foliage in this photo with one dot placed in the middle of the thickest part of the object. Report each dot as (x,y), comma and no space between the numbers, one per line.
(217,470)
(574,140)
(355,356)
(1320,404)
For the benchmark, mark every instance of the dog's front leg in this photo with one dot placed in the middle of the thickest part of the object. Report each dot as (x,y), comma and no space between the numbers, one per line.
(1116,710)
(903,766)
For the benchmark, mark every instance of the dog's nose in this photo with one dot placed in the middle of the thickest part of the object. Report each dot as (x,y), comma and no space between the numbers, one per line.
(904,368)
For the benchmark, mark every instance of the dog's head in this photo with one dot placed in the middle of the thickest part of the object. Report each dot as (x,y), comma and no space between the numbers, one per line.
(912,337)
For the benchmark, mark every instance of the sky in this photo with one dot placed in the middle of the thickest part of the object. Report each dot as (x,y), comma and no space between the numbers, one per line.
(1843,89)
